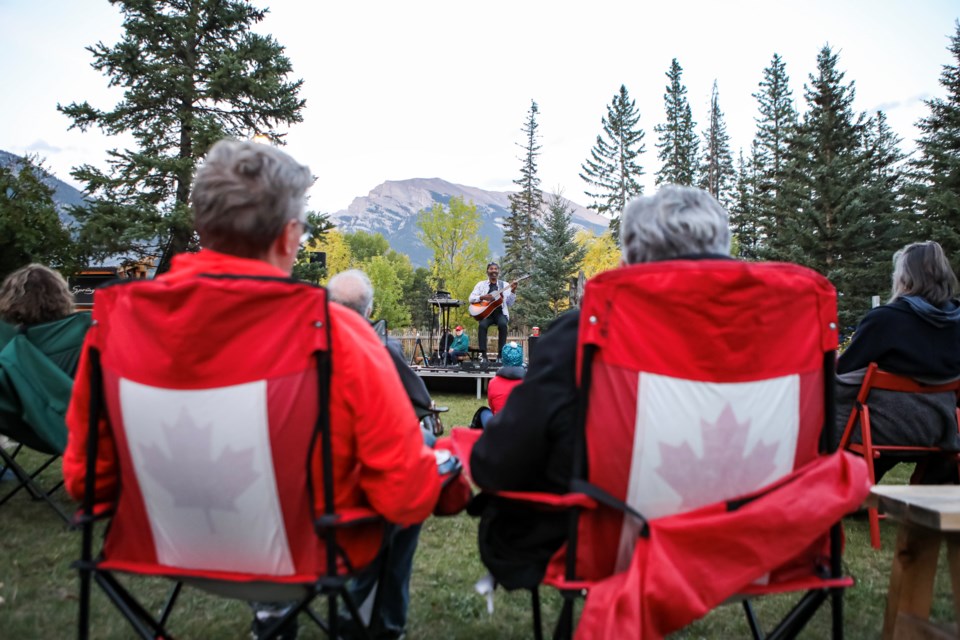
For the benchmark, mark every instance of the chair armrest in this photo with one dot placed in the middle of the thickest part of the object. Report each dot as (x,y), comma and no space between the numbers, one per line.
(351,517)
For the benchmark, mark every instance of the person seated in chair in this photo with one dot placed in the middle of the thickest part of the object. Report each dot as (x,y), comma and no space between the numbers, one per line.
(508,376)
(458,348)
(528,446)
(916,334)
(249,212)
(353,289)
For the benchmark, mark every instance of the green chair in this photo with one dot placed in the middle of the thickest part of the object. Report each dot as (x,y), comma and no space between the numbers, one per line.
(37,364)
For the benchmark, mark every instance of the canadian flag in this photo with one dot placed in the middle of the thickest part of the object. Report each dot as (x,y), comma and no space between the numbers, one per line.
(696,443)
(204,466)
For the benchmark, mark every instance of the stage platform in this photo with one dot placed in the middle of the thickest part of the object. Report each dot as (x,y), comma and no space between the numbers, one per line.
(455,374)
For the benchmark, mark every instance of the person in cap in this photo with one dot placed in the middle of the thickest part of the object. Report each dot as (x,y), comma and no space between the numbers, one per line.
(459,346)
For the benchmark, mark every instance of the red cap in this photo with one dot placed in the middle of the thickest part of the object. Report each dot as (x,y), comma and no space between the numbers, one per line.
(458,328)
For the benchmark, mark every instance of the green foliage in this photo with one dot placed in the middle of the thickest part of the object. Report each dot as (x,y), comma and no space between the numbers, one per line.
(417,293)
(459,251)
(716,169)
(613,167)
(30,229)
(520,229)
(192,73)
(776,125)
(678,144)
(305,268)
(388,302)
(557,259)
(365,245)
(937,184)
(828,222)
(743,217)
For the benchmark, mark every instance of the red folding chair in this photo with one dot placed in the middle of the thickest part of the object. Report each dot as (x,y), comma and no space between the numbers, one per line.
(876,379)
(699,474)
(216,452)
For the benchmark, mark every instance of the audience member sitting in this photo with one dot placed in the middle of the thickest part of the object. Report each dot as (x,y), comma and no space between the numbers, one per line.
(353,289)
(509,375)
(459,346)
(249,212)
(916,334)
(40,341)
(528,445)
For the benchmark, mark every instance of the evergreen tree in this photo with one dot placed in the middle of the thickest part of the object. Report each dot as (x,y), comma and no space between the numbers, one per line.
(743,218)
(678,144)
(826,179)
(776,125)
(192,72)
(613,167)
(884,200)
(520,229)
(716,169)
(557,259)
(938,165)
(30,228)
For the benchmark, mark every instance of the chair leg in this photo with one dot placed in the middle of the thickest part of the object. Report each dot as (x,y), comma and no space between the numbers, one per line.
(564,628)
(836,609)
(755,629)
(171,600)
(537,620)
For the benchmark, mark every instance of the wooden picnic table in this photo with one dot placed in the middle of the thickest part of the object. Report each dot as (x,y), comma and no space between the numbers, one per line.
(928,515)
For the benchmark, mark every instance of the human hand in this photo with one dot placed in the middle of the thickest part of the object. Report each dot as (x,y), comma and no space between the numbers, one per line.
(513,287)
(486,297)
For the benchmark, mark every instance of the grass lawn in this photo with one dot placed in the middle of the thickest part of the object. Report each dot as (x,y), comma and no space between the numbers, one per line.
(38,589)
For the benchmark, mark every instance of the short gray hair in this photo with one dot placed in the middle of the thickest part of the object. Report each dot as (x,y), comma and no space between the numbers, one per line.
(243,195)
(674,222)
(352,288)
(922,269)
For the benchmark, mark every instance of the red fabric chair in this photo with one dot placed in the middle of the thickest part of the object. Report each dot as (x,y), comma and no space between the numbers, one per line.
(699,474)
(216,459)
(877,379)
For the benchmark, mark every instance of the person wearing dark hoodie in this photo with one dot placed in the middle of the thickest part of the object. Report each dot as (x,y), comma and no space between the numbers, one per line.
(916,334)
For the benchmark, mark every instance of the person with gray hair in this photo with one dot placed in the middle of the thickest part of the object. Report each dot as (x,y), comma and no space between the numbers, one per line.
(528,445)
(353,289)
(249,211)
(916,334)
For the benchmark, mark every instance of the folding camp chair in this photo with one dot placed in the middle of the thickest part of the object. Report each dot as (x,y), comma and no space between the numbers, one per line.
(876,379)
(216,454)
(698,476)
(37,364)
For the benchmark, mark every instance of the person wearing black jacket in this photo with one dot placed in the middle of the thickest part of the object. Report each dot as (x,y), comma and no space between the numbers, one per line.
(528,446)
(916,334)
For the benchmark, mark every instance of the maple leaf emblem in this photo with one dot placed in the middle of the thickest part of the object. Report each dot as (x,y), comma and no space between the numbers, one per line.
(191,476)
(724,471)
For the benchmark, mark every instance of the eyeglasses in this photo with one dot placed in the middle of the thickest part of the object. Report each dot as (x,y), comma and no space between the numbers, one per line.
(308,230)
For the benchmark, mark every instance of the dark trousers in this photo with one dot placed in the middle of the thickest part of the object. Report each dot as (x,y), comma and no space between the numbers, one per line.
(498,319)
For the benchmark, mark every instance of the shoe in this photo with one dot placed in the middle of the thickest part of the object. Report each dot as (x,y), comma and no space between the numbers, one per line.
(259,627)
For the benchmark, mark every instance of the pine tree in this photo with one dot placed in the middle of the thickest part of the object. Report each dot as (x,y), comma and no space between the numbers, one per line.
(716,169)
(557,259)
(743,218)
(192,73)
(827,175)
(678,144)
(520,229)
(30,227)
(938,165)
(613,167)
(776,124)
(884,200)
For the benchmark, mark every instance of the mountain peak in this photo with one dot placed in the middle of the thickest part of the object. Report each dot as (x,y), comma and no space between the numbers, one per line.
(391,209)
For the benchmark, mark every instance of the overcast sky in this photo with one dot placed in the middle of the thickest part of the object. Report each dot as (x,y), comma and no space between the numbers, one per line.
(425,89)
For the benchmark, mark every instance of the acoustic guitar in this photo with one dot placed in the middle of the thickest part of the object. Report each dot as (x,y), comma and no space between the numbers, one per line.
(484,308)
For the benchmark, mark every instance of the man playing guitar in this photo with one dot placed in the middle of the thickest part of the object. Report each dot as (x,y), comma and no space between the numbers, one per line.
(487,291)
